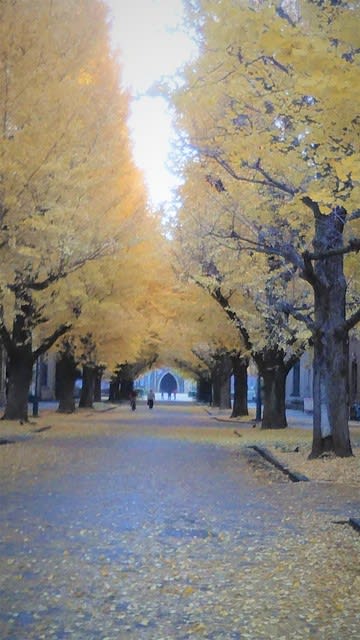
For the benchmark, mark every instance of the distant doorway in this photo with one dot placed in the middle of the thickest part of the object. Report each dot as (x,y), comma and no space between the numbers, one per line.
(168,385)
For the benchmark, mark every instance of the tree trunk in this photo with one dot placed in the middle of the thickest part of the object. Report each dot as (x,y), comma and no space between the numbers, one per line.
(331,341)
(114,391)
(240,404)
(215,389)
(18,345)
(126,388)
(66,374)
(337,384)
(225,393)
(98,378)
(318,446)
(273,371)
(88,387)
(221,382)
(20,367)
(203,392)
(274,411)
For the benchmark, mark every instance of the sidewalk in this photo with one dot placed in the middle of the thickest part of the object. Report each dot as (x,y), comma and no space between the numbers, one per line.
(291,447)
(296,419)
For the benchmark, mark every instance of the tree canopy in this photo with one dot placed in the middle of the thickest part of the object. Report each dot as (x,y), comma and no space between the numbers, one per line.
(70,192)
(268,121)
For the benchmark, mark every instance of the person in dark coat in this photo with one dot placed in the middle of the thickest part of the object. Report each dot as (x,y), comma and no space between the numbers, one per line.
(150,399)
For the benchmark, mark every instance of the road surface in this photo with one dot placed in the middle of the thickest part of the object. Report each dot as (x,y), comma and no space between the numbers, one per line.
(130,531)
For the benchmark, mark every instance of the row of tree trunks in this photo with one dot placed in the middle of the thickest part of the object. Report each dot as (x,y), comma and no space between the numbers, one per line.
(273,370)
(273,374)
(273,367)
(324,270)
(21,371)
(67,372)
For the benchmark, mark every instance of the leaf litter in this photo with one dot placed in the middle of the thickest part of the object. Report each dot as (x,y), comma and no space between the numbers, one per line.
(191,576)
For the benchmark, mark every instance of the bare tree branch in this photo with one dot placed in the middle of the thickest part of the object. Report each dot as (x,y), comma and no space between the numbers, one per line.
(63,271)
(50,340)
(308,202)
(298,315)
(355,215)
(353,320)
(269,181)
(352,247)
(308,271)
(269,60)
(233,316)
(284,250)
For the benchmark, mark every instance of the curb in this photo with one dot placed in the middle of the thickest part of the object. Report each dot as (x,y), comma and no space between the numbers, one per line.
(355,524)
(292,475)
(6,441)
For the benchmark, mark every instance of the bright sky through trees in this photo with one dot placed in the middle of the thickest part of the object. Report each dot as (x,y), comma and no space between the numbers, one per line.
(152,44)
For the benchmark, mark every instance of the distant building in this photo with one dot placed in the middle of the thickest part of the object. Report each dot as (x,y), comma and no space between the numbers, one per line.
(299,382)
(45,371)
(165,381)
(46,377)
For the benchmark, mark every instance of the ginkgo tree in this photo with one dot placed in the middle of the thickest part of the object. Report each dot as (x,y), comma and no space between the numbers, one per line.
(123,301)
(69,190)
(245,289)
(269,112)
(199,339)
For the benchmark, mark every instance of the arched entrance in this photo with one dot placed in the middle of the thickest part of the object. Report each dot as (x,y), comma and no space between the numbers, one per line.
(168,385)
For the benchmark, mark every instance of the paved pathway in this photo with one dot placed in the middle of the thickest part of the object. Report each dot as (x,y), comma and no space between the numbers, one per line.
(141,536)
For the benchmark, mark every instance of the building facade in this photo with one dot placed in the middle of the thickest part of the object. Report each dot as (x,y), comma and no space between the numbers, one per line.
(300,379)
(165,381)
(44,375)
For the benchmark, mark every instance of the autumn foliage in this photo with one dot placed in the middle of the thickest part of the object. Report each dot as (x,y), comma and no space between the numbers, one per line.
(268,123)
(70,193)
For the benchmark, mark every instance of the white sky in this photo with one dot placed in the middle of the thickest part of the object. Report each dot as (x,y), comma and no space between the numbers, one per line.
(148,34)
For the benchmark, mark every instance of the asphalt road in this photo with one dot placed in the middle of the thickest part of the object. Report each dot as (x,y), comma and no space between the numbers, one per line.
(136,534)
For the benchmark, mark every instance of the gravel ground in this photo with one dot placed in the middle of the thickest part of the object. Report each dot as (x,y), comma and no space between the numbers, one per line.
(164,525)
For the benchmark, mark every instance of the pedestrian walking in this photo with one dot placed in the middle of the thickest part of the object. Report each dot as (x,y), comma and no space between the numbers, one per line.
(132,398)
(150,399)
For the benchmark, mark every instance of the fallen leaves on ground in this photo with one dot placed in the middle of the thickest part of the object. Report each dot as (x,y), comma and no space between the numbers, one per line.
(200,573)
